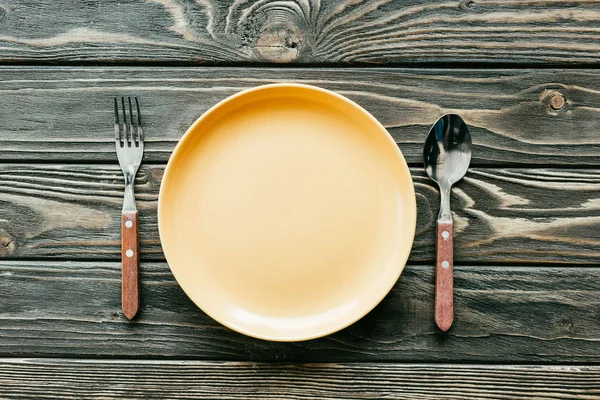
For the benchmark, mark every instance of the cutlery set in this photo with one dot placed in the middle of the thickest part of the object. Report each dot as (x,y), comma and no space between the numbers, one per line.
(274,206)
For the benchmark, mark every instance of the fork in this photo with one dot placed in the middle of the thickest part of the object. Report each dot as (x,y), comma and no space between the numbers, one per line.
(129,141)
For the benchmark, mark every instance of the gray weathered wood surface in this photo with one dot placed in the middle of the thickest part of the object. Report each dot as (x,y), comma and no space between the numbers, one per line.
(527,216)
(54,378)
(303,31)
(65,114)
(503,314)
(501,215)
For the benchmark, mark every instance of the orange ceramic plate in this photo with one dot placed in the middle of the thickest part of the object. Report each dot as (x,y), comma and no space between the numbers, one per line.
(287,212)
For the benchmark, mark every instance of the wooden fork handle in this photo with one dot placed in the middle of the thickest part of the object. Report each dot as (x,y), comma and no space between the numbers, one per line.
(130,290)
(444,278)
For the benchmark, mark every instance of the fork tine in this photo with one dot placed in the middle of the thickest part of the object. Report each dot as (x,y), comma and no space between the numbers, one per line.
(117,125)
(140,132)
(126,132)
(134,141)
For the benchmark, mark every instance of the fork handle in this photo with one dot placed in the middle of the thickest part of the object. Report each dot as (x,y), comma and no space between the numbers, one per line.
(444,277)
(130,290)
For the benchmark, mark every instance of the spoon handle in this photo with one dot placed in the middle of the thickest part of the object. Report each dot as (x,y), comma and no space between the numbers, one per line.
(444,279)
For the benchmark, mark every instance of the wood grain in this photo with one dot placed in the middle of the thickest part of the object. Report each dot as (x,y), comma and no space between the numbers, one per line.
(303,31)
(500,215)
(96,379)
(502,314)
(56,114)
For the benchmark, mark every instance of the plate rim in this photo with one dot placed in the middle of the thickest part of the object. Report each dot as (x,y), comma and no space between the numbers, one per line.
(413,206)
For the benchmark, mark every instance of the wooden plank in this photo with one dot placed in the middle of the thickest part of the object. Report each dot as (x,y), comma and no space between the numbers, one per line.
(65,114)
(98,379)
(503,314)
(327,31)
(501,215)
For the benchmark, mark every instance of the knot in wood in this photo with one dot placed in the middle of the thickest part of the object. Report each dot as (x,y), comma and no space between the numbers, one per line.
(557,101)
(7,244)
(567,324)
(465,4)
(553,100)
(279,45)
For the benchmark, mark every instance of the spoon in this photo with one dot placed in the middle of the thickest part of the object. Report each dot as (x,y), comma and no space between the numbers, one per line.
(446,155)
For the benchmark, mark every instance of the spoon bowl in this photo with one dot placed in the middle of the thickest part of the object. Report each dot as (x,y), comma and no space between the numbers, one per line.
(447,152)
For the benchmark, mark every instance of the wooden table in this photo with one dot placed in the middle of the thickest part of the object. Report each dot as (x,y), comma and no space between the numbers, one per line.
(524,76)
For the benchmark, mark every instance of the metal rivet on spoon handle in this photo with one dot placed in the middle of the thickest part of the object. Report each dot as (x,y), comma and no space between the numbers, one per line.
(447,155)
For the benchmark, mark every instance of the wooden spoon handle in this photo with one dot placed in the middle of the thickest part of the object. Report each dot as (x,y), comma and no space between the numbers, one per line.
(130,290)
(444,279)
